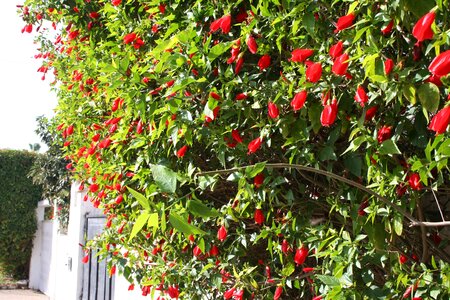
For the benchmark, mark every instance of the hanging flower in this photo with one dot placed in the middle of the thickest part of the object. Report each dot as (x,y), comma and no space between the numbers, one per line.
(370,113)
(278,292)
(173,292)
(388,29)
(241,96)
(299,100)
(264,62)
(361,96)
(259,216)
(285,246)
(384,133)
(300,55)
(222,233)
(388,66)
(340,65)
(440,66)
(422,30)
(129,38)
(344,22)
(239,64)
(440,121)
(236,136)
(182,151)
(329,114)
(223,23)
(314,72)
(336,49)
(254,145)
(258,180)
(414,182)
(252,45)
(300,255)
(229,293)
(273,110)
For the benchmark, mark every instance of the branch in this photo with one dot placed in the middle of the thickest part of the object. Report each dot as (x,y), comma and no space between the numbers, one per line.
(413,221)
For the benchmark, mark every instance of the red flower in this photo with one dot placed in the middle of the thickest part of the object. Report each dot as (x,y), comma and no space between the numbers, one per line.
(422,30)
(370,113)
(300,255)
(222,233)
(388,66)
(173,292)
(131,286)
(119,199)
(229,293)
(214,251)
(215,95)
(440,121)
(223,23)
(94,15)
(314,72)
(259,216)
(300,55)
(387,30)
(162,8)
(299,100)
(241,96)
(236,136)
(239,64)
(182,151)
(196,251)
(28,28)
(361,96)
(258,180)
(402,259)
(384,133)
(336,49)
(252,45)
(238,295)
(85,259)
(285,246)
(440,65)
(273,110)
(116,2)
(329,113)
(414,182)
(340,65)
(93,188)
(129,38)
(344,22)
(278,292)
(264,62)
(112,271)
(254,145)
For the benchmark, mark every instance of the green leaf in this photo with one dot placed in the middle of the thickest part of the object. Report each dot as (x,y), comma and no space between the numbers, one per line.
(218,50)
(183,226)
(354,144)
(288,270)
(409,92)
(309,22)
(139,224)
(252,171)
(354,165)
(330,281)
(165,178)
(389,147)
(199,209)
(419,7)
(398,225)
(143,201)
(429,96)
(153,220)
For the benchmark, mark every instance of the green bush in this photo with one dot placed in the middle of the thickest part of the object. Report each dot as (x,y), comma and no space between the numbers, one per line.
(18,199)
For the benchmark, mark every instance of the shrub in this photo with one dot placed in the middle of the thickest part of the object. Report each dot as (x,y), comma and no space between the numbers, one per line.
(260,148)
(18,202)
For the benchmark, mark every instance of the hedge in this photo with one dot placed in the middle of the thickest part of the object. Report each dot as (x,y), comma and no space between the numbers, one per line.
(18,202)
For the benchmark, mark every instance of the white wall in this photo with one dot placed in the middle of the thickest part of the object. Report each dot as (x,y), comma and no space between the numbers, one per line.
(56,268)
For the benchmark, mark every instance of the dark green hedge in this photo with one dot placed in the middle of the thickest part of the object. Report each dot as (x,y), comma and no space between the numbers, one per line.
(18,200)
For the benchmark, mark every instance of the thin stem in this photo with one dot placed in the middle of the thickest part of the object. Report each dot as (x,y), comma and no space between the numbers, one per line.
(437,203)
(413,221)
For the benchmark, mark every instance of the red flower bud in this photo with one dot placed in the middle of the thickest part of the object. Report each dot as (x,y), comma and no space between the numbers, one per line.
(129,38)
(336,49)
(300,255)
(229,293)
(222,233)
(384,133)
(285,246)
(223,23)
(196,251)
(119,199)
(236,136)
(299,100)
(259,216)
(440,65)
(241,96)
(370,113)
(344,22)
(388,66)
(414,182)
(314,72)
(215,95)
(239,64)
(252,45)
(85,259)
(254,145)
(361,96)
(402,259)
(278,292)
(116,2)
(214,251)
(300,55)
(440,121)
(182,151)
(258,180)
(273,110)
(329,114)
(387,30)
(422,30)
(264,62)
(340,65)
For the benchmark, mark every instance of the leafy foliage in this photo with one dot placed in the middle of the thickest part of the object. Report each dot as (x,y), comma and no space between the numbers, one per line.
(18,202)
(156,97)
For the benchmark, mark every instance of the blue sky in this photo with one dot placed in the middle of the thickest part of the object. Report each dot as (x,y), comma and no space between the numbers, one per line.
(23,95)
